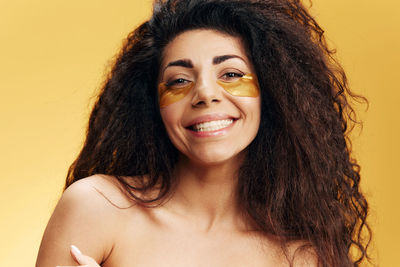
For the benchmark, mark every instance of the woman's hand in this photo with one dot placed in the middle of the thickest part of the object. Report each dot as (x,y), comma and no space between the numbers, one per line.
(83,260)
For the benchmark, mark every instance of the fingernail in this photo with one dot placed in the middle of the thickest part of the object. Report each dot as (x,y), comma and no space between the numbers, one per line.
(75,249)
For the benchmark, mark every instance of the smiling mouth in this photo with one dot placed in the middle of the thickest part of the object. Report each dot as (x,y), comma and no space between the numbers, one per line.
(210,126)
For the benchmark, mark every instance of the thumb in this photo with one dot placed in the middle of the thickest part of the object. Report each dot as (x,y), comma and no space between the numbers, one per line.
(80,258)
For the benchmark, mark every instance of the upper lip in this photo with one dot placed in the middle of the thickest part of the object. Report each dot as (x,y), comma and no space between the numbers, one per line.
(210,117)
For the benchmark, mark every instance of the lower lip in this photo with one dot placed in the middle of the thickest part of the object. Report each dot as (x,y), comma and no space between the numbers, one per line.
(218,132)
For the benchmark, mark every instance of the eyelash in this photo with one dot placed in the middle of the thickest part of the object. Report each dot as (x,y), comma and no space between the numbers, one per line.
(225,76)
(179,81)
(232,75)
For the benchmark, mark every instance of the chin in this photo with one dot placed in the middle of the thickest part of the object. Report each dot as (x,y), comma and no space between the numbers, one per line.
(212,158)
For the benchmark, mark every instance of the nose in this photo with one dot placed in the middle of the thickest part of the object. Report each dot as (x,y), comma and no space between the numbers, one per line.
(206,92)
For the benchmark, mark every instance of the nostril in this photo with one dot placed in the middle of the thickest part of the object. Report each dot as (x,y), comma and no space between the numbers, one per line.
(199,103)
(205,101)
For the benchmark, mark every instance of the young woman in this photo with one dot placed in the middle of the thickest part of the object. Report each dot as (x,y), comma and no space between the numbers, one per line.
(219,139)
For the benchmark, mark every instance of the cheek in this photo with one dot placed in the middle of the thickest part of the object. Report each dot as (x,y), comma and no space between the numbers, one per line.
(167,117)
(256,123)
(252,108)
(171,117)
(258,113)
(258,109)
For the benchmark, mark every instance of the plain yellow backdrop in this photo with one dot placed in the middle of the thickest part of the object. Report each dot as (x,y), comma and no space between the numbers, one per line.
(53,57)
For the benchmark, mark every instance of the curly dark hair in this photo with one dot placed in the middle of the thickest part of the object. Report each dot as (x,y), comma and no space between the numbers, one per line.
(298,181)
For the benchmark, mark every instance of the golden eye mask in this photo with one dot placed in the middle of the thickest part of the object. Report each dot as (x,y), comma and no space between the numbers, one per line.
(245,86)
(171,94)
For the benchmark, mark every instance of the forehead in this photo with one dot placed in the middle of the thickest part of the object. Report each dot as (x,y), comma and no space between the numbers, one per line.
(202,44)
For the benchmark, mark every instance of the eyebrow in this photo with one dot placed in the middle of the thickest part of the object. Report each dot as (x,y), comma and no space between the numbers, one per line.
(181,62)
(219,59)
(187,63)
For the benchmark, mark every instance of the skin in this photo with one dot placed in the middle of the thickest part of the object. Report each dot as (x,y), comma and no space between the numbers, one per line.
(201,224)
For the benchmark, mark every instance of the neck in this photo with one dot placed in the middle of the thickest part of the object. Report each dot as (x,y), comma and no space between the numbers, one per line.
(206,194)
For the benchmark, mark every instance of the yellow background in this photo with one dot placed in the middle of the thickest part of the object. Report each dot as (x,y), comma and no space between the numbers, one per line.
(53,56)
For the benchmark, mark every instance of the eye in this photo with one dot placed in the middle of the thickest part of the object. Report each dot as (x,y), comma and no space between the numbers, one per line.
(177,83)
(231,76)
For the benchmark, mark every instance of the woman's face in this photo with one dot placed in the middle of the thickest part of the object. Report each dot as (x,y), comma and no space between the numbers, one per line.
(211,112)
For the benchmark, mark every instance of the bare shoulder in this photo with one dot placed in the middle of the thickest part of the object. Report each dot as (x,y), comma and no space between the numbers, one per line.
(107,187)
(94,194)
(303,255)
(87,215)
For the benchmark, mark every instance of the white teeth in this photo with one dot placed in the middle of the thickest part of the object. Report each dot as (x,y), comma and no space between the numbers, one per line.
(212,125)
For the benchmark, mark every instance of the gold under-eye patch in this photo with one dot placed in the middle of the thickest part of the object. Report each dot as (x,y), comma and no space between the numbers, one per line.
(244,86)
(171,94)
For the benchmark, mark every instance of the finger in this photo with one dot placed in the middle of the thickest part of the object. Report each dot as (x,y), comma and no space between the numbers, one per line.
(81,258)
